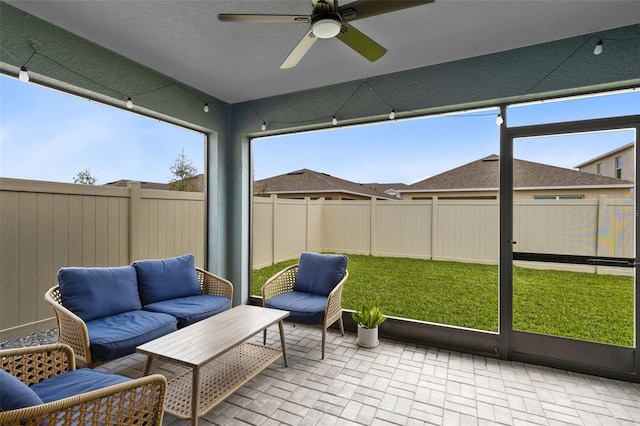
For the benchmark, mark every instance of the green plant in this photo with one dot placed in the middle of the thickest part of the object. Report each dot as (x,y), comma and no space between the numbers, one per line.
(369,315)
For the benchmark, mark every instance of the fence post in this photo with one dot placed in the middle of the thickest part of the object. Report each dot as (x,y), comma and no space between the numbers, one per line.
(372,227)
(434,228)
(602,230)
(321,223)
(274,201)
(135,196)
(307,227)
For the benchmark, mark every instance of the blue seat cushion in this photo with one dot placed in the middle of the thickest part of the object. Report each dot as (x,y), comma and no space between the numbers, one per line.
(304,308)
(118,335)
(75,382)
(14,394)
(166,279)
(319,273)
(191,309)
(93,293)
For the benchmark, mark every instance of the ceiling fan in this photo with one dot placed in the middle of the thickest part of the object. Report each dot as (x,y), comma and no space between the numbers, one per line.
(328,20)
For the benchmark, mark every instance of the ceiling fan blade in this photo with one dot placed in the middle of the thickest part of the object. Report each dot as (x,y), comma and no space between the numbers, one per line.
(361,43)
(366,8)
(299,51)
(233,17)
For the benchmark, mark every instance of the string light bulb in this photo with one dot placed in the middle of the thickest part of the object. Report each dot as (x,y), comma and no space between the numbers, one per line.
(598,49)
(24,74)
(499,119)
(264,126)
(392,114)
(129,103)
(206,107)
(334,121)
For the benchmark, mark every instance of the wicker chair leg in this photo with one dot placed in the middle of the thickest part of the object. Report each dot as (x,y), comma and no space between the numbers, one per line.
(341,324)
(264,337)
(324,338)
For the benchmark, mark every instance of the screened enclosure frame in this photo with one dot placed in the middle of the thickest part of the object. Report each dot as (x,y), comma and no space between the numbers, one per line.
(560,352)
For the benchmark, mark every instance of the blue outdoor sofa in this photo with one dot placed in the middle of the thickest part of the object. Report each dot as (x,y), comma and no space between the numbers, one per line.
(105,313)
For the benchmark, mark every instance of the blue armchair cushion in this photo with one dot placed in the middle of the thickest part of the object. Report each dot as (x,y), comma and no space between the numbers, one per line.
(191,309)
(319,273)
(93,293)
(304,308)
(118,335)
(74,382)
(167,278)
(14,394)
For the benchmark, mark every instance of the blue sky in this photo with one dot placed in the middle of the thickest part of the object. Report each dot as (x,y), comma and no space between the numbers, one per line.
(48,135)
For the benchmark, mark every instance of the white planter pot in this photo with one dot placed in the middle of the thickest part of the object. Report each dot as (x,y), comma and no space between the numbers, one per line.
(367,337)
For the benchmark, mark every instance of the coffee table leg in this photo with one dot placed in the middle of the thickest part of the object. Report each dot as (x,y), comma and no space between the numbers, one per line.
(195,396)
(282,343)
(147,365)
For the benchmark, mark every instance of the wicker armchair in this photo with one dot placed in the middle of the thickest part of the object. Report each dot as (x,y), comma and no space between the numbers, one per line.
(73,331)
(137,401)
(283,282)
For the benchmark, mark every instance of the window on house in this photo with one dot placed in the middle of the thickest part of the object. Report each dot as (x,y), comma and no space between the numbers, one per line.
(599,168)
(619,167)
(558,197)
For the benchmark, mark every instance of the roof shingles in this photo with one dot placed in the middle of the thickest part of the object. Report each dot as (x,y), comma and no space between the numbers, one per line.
(309,181)
(485,174)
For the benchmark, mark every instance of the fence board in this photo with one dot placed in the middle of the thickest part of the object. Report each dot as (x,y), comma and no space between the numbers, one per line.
(27,240)
(9,259)
(44,255)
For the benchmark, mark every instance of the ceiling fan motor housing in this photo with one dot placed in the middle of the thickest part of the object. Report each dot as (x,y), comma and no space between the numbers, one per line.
(326,25)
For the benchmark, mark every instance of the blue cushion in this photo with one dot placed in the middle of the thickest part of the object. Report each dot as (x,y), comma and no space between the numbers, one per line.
(74,383)
(191,309)
(118,335)
(15,394)
(167,278)
(93,293)
(319,273)
(305,308)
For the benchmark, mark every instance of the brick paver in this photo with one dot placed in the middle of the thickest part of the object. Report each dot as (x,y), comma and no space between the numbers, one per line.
(406,384)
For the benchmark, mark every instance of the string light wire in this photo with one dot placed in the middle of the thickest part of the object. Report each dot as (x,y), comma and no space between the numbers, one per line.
(333,118)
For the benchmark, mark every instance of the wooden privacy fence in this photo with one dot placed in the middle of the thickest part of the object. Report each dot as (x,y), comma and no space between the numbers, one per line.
(45,226)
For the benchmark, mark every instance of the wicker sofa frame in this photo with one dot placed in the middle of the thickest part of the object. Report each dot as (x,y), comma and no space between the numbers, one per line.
(282,282)
(136,402)
(73,331)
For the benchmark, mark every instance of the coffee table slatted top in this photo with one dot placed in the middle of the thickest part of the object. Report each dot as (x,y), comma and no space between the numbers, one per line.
(199,343)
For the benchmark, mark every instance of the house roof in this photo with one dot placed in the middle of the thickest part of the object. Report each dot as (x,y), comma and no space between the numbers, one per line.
(484,174)
(386,186)
(606,154)
(143,185)
(198,181)
(310,182)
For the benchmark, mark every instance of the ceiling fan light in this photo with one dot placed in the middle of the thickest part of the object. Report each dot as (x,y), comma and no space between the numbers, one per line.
(326,26)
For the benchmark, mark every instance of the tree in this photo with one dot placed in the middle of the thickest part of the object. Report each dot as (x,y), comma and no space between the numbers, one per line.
(184,174)
(85,177)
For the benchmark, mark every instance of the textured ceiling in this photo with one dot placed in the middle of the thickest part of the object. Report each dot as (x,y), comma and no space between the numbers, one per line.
(240,61)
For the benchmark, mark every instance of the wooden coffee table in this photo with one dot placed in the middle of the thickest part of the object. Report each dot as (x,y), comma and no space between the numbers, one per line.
(218,356)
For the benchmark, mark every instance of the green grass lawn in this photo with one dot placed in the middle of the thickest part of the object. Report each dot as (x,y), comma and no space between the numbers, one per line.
(579,305)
